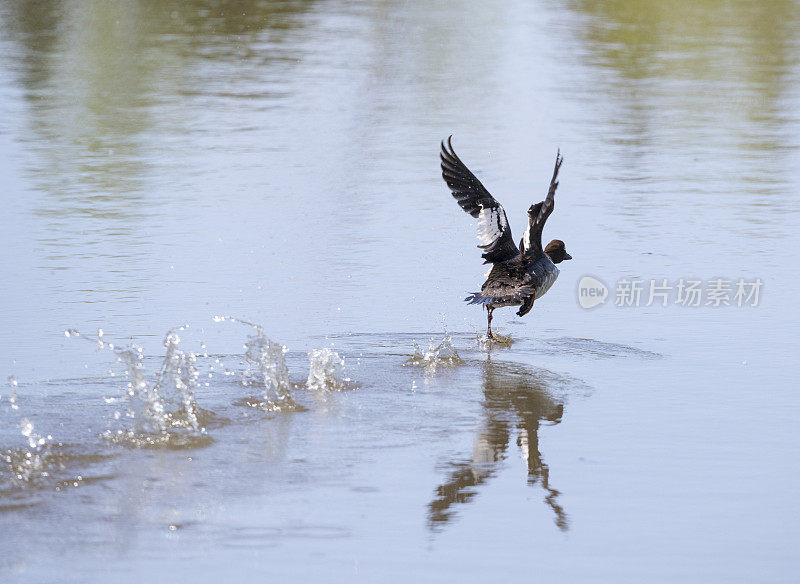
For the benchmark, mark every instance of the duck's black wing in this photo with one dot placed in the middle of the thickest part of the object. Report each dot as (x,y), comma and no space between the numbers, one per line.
(494,232)
(538,219)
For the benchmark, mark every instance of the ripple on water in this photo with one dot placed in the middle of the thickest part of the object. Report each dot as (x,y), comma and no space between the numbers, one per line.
(27,471)
(268,405)
(269,536)
(167,440)
(593,348)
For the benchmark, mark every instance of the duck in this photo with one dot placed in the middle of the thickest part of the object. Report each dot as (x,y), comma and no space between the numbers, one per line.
(519,274)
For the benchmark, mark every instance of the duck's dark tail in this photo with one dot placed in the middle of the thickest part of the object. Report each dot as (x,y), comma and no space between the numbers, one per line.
(478,298)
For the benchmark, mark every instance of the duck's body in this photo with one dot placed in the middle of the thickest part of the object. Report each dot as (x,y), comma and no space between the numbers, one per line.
(519,275)
(509,283)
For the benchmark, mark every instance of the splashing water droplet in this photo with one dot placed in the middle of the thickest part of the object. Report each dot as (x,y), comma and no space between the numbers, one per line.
(27,426)
(258,327)
(164,413)
(441,354)
(34,440)
(326,370)
(266,366)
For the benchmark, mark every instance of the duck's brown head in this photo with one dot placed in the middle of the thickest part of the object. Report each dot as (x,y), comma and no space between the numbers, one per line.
(557,251)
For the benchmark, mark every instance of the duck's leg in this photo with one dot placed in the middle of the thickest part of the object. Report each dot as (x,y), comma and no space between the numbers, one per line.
(527,304)
(489,333)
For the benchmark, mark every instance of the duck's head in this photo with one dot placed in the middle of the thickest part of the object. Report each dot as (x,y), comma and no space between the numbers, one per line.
(557,251)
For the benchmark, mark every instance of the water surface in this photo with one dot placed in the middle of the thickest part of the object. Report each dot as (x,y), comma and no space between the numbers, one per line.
(164,163)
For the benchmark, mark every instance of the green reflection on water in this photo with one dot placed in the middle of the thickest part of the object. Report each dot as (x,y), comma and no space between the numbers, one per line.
(698,62)
(103,82)
(696,100)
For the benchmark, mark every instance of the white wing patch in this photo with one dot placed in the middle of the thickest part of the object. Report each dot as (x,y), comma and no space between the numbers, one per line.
(492,224)
(526,238)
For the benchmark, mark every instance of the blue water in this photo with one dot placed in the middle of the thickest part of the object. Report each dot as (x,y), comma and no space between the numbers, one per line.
(163,164)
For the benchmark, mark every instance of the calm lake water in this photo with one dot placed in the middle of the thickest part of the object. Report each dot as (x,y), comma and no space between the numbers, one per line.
(163,163)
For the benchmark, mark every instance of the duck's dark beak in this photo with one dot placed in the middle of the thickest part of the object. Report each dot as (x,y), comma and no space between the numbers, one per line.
(567,256)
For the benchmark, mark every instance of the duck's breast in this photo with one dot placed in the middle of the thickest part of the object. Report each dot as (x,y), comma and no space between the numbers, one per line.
(545,274)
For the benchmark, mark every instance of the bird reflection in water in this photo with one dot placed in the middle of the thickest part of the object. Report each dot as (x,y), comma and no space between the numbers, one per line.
(514,398)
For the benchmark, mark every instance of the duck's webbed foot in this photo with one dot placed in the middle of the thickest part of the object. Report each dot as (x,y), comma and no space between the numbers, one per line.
(527,304)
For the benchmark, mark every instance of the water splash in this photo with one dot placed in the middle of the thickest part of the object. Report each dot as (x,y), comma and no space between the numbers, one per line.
(266,367)
(25,466)
(441,354)
(258,327)
(34,440)
(52,465)
(487,343)
(179,371)
(163,413)
(326,370)
(22,467)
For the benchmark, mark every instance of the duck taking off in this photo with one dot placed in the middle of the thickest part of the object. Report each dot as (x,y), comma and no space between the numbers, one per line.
(519,275)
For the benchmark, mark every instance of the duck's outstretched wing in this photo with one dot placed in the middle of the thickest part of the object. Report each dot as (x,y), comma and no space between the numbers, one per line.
(494,232)
(538,219)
